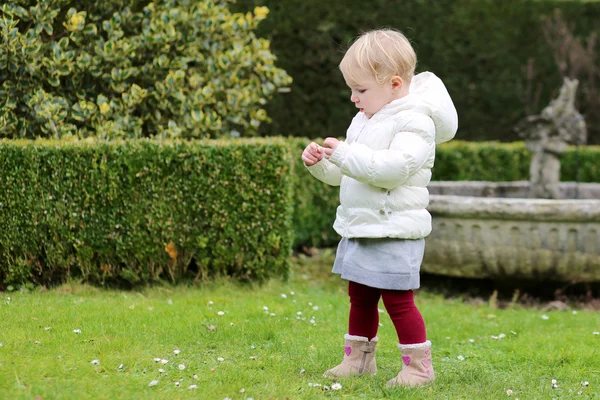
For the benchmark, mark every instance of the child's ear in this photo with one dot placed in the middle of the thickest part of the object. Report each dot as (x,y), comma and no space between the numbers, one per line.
(397,83)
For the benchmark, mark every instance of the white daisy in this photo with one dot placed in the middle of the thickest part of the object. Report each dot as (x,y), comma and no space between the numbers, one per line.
(545,317)
(336,386)
(181,367)
(220,313)
(176,351)
(283,296)
(95,362)
(77,330)
(153,383)
(193,387)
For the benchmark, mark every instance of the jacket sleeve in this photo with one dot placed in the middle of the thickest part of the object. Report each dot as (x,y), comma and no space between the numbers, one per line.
(327,172)
(409,150)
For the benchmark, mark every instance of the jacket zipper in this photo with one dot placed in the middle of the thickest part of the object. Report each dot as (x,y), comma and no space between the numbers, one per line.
(360,132)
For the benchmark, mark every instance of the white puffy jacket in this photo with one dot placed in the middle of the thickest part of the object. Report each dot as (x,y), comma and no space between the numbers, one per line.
(385,163)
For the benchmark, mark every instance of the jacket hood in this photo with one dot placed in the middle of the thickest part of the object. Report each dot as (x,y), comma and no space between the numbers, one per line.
(429,96)
(433,98)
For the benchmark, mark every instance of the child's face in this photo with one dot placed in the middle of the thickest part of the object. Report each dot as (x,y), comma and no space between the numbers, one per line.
(369,96)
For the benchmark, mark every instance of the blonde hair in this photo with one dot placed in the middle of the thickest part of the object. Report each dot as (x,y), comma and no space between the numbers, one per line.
(383,53)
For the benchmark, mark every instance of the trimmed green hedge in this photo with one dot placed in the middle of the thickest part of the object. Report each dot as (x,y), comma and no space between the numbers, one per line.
(480,48)
(134,212)
(497,162)
(140,211)
(316,202)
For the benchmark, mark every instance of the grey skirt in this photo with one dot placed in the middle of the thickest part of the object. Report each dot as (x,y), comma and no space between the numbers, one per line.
(381,263)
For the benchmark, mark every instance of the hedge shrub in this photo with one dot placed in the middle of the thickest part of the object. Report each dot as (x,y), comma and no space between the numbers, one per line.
(457,160)
(480,48)
(132,212)
(132,68)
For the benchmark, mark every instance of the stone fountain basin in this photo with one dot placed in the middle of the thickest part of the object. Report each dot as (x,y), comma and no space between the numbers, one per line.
(493,230)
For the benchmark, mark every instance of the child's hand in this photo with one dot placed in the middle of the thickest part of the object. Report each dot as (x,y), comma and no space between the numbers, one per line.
(312,154)
(329,146)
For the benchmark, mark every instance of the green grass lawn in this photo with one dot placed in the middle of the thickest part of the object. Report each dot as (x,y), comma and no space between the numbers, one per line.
(274,341)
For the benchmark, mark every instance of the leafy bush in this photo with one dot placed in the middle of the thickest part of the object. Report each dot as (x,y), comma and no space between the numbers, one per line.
(131,68)
(131,212)
(491,54)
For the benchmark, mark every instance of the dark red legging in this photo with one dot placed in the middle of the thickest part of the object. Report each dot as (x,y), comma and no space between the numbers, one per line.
(400,305)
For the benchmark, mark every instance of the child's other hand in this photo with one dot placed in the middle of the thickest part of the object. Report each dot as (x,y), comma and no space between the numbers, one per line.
(329,146)
(312,154)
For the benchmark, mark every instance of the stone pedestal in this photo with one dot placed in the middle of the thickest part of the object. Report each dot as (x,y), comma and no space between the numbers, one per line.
(499,237)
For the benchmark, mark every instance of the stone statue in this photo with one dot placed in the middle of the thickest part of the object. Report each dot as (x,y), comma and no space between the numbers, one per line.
(547,136)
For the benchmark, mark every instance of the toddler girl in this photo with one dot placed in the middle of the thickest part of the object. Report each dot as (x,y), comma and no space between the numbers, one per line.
(383,168)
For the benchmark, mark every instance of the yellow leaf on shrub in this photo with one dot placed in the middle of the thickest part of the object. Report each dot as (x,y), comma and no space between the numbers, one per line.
(170,249)
(76,22)
(261,12)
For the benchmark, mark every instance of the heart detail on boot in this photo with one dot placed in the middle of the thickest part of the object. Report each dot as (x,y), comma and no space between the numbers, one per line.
(406,360)
(427,351)
(426,362)
(347,350)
